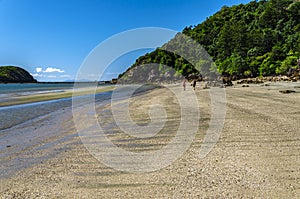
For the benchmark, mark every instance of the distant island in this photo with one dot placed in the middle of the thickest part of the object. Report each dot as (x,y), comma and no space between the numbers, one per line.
(261,38)
(14,74)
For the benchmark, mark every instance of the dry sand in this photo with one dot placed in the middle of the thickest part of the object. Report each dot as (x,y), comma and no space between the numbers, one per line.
(257,155)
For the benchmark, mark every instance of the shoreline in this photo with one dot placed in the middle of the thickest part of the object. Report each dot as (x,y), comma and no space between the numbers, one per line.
(15,114)
(46,96)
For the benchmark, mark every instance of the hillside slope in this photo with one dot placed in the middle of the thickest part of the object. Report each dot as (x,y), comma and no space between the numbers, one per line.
(260,38)
(14,74)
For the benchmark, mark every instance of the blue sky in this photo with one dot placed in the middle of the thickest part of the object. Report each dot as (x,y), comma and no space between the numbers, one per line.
(51,38)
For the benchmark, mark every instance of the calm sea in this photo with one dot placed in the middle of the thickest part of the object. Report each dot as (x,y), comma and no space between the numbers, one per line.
(38,87)
(16,114)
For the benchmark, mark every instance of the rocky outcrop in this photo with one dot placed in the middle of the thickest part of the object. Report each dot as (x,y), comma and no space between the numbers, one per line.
(149,73)
(294,76)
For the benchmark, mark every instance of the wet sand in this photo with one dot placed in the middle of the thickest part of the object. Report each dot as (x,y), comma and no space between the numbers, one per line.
(257,155)
(46,96)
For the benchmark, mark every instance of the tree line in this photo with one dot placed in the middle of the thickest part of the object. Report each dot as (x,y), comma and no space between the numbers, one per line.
(261,38)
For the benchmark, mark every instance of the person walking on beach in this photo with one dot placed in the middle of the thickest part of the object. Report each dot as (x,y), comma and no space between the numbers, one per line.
(194,84)
(184,84)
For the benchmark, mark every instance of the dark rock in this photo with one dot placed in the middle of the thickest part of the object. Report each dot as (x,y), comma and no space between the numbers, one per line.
(227,81)
(251,81)
(295,74)
(287,91)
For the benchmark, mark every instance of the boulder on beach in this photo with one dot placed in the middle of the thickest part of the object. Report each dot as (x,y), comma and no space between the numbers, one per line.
(287,91)
(251,81)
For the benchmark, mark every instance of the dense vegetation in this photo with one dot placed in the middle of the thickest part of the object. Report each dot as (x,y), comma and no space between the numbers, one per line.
(13,74)
(260,38)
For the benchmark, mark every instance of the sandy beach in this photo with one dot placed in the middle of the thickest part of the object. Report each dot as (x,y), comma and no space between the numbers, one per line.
(256,156)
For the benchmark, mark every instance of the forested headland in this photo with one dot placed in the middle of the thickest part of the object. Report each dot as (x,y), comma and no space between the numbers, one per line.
(261,38)
(14,74)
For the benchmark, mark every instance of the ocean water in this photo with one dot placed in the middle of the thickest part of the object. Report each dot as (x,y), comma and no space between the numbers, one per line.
(27,89)
(17,114)
(12,88)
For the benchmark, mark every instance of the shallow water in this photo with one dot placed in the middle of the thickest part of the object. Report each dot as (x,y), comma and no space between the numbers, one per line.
(34,87)
(17,114)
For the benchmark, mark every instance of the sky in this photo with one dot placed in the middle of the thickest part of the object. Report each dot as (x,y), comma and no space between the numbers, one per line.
(52,38)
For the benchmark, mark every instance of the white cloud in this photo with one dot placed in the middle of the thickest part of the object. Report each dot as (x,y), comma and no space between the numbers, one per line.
(65,76)
(38,70)
(36,75)
(51,76)
(52,70)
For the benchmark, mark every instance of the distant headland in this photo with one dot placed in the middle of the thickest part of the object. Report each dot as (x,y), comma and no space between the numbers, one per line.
(15,74)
